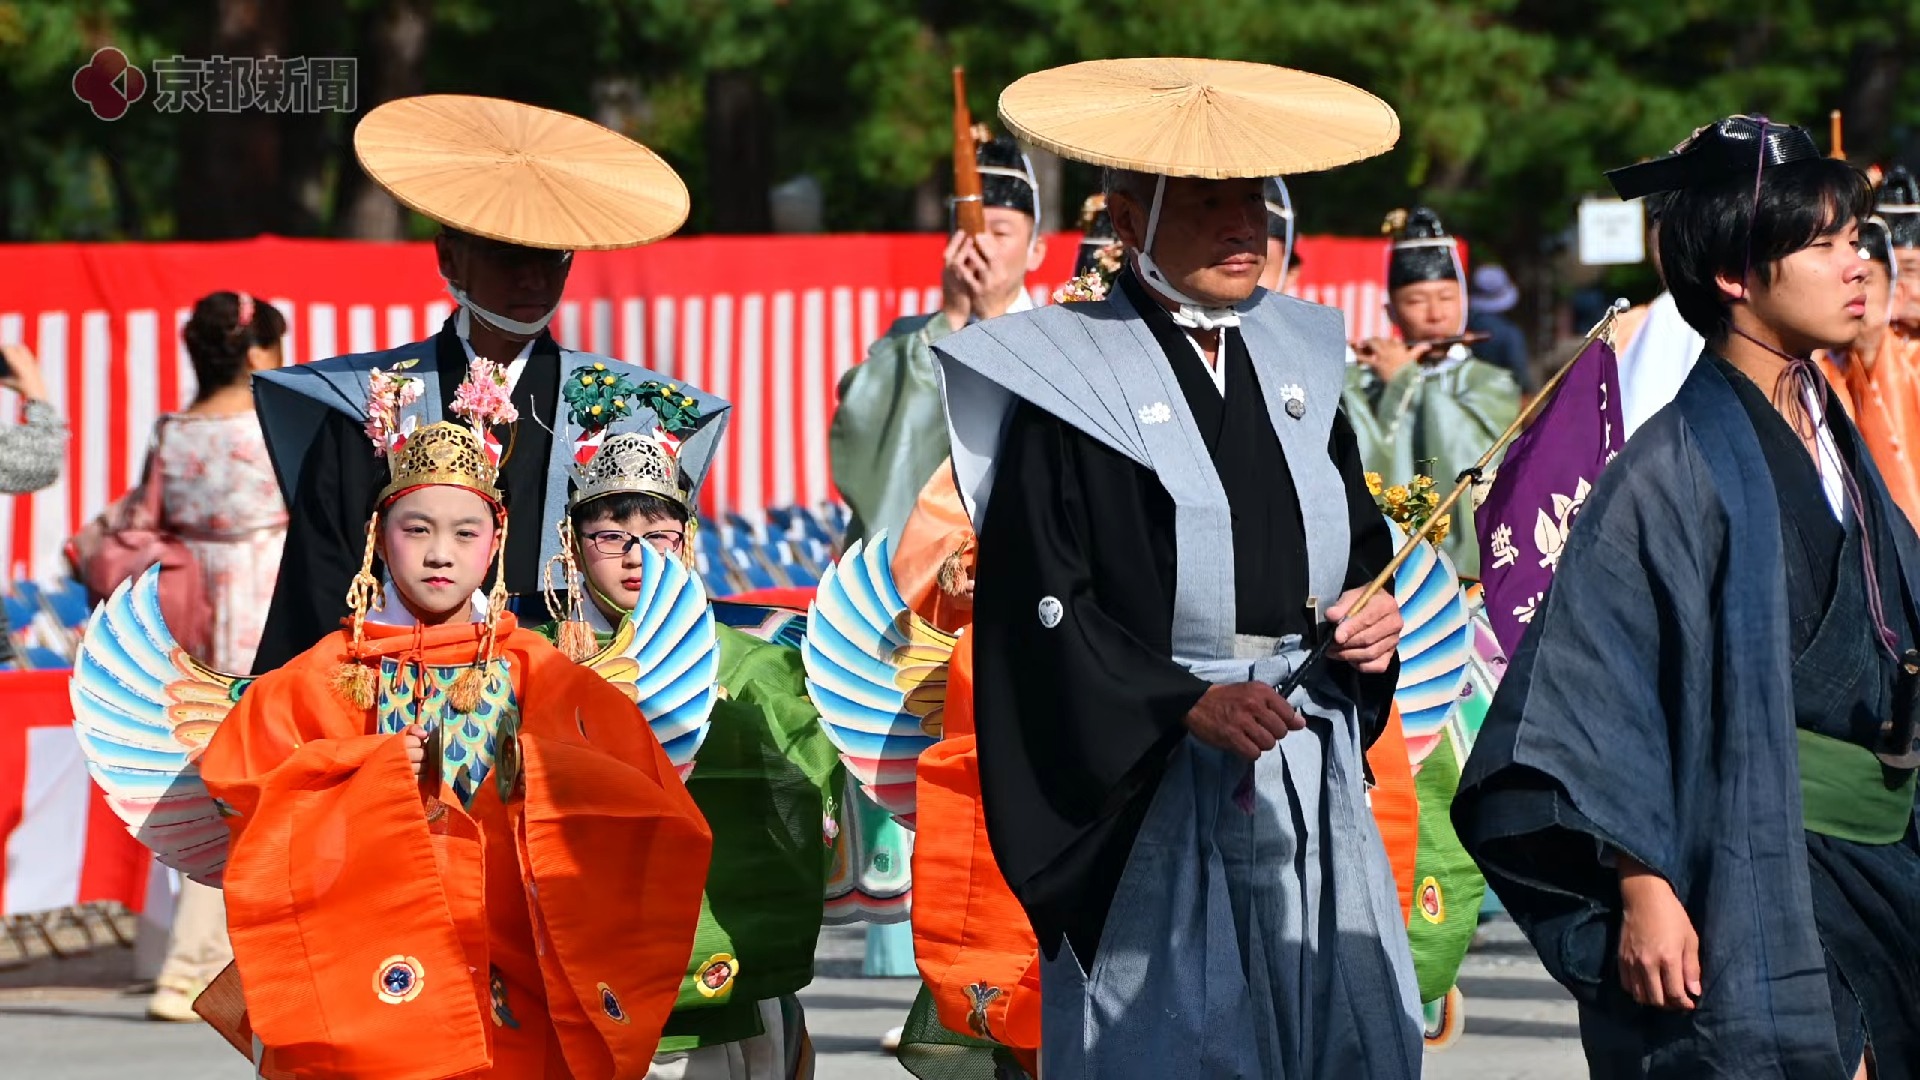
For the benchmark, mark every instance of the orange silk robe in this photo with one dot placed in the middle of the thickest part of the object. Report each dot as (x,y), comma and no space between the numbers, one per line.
(976,952)
(543,936)
(1884,401)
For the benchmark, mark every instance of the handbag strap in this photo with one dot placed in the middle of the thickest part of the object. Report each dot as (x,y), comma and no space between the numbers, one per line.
(152,496)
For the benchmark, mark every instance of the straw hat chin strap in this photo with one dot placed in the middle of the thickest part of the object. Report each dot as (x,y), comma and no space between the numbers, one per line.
(468,309)
(1190,313)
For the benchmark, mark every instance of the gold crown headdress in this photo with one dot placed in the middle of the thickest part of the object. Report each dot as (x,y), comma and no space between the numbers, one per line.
(443,453)
(644,464)
(461,455)
(631,462)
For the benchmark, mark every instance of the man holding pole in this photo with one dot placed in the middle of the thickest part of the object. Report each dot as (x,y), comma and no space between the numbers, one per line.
(1177,512)
(886,439)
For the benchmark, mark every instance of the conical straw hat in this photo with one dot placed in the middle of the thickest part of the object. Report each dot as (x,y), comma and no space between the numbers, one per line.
(1205,118)
(520,174)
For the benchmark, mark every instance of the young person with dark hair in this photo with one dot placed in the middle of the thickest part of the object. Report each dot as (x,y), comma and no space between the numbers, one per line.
(1878,378)
(764,776)
(1695,788)
(453,852)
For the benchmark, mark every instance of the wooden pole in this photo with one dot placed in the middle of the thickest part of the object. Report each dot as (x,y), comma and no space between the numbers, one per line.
(1465,481)
(969,212)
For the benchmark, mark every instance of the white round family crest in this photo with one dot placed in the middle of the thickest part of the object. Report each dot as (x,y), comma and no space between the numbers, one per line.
(1296,398)
(1051,611)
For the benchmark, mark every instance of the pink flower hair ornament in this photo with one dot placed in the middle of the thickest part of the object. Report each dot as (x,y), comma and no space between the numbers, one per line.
(484,398)
(388,394)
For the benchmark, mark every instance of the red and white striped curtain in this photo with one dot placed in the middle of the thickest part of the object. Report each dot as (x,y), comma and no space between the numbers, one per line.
(770,323)
(61,845)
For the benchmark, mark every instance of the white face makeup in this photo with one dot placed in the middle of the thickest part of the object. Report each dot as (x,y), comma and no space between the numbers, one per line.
(437,543)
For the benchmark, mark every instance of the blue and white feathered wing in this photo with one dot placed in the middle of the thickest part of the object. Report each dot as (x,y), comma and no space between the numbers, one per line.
(144,711)
(666,656)
(1436,641)
(877,672)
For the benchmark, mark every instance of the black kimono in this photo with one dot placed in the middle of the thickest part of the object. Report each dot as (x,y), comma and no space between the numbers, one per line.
(1076,723)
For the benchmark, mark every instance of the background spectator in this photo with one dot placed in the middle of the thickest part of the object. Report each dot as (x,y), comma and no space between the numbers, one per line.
(32,451)
(1489,297)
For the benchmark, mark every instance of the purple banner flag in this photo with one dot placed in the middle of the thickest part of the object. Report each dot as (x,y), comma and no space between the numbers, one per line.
(1540,487)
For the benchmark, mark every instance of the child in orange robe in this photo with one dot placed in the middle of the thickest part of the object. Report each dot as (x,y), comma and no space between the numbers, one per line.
(455,853)
(978,958)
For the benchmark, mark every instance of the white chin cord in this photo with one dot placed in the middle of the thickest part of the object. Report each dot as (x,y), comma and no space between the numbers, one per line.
(1190,313)
(469,309)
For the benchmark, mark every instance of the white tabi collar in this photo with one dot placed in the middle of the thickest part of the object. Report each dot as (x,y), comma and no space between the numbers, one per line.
(392,612)
(1022,302)
(596,618)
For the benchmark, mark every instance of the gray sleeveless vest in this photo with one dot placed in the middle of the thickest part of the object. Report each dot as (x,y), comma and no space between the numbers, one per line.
(1098,367)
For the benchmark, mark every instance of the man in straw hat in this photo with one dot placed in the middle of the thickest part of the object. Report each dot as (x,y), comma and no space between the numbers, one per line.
(1170,509)
(886,438)
(517,190)
(1695,787)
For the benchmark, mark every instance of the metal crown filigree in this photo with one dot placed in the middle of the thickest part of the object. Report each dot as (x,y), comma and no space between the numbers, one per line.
(635,463)
(443,453)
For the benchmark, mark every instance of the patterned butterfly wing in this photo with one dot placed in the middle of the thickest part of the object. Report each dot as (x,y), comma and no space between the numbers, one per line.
(877,673)
(1436,645)
(666,657)
(144,711)
(1488,667)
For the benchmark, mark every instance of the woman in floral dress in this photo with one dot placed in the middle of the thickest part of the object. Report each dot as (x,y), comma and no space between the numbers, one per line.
(222,500)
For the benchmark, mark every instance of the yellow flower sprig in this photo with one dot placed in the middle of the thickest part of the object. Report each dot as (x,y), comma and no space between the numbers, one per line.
(1410,504)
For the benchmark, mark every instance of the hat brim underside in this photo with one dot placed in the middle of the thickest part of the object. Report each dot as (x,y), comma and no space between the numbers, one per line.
(1209,119)
(520,174)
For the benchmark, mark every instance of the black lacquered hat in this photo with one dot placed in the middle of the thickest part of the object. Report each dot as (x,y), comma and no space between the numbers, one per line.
(1899,203)
(1733,147)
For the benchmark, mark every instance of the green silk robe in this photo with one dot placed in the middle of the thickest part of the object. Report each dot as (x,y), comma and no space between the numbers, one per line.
(1434,421)
(890,432)
(768,781)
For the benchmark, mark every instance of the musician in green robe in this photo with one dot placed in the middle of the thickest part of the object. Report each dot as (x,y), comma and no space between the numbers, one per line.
(1420,408)
(889,433)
